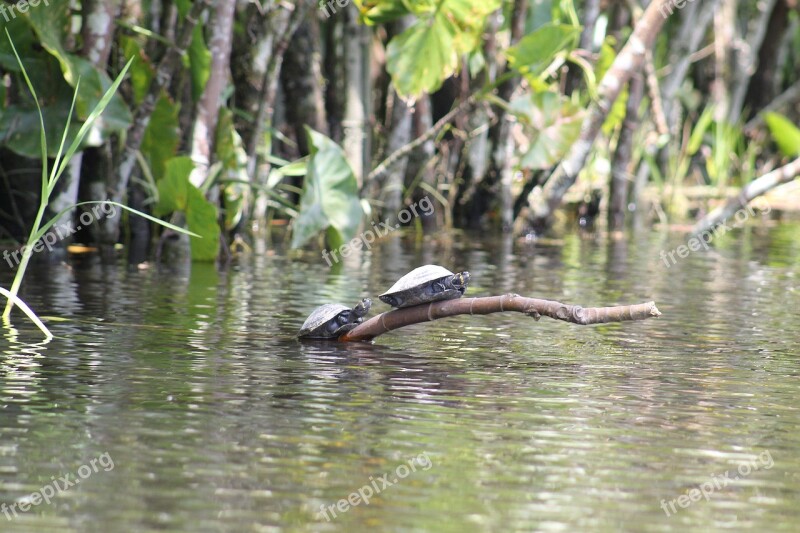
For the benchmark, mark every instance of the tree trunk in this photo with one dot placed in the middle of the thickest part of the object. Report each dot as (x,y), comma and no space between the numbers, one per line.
(357,103)
(205,126)
(628,61)
(493,192)
(620,171)
(591,11)
(282,25)
(302,83)
(118,183)
(762,86)
(98,35)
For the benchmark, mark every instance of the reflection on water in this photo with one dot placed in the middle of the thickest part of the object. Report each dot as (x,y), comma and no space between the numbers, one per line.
(217,419)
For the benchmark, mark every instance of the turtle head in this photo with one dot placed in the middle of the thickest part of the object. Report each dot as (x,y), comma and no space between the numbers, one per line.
(355,315)
(362,308)
(459,281)
(390,300)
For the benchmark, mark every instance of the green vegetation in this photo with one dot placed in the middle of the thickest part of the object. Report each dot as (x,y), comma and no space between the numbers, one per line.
(236,118)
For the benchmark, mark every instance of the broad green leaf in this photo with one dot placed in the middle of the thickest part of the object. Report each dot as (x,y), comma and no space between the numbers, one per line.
(427,53)
(330,200)
(551,123)
(534,52)
(786,134)
(176,193)
(201,217)
(162,136)
(699,130)
(142,71)
(199,62)
(52,26)
(173,188)
(233,159)
(379,11)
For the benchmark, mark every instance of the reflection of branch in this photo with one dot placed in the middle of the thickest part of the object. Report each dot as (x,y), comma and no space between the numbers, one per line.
(533,307)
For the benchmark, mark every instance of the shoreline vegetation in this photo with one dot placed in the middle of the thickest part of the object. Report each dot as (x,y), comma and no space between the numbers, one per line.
(220,121)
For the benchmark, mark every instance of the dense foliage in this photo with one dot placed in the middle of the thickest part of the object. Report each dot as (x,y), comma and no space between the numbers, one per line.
(236,116)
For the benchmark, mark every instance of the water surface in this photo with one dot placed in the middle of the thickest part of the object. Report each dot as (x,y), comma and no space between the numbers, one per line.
(217,419)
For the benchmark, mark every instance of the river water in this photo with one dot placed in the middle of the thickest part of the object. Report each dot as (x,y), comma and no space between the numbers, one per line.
(179,400)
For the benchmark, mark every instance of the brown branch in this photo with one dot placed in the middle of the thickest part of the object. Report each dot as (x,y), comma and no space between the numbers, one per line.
(534,307)
(654,90)
(419,141)
(628,61)
(749,192)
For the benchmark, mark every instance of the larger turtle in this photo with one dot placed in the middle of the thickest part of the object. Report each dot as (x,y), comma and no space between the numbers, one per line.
(329,321)
(429,283)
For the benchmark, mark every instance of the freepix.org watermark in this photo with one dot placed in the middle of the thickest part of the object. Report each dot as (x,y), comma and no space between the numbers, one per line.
(702,240)
(422,208)
(375,487)
(61,231)
(669,7)
(329,8)
(717,482)
(9,12)
(57,486)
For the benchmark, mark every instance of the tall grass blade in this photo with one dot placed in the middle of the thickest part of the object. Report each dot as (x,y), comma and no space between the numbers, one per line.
(96,112)
(41,232)
(27,310)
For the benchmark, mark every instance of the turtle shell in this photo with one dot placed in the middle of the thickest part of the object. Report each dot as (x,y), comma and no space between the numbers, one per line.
(316,324)
(416,287)
(319,323)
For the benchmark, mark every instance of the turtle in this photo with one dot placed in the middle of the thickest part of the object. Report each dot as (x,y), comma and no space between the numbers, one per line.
(331,320)
(428,283)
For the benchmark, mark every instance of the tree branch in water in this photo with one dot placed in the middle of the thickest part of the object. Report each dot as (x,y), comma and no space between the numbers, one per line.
(534,307)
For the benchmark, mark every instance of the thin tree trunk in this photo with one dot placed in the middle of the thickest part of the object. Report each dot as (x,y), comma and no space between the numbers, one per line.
(356,47)
(285,23)
(118,183)
(725,55)
(628,61)
(695,19)
(748,63)
(762,87)
(98,36)
(389,185)
(399,135)
(205,126)
(620,171)
(591,11)
(302,83)
(485,195)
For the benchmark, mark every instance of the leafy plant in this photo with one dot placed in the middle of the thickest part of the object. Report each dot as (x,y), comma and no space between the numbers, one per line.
(330,200)
(786,134)
(551,123)
(62,159)
(430,51)
(176,193)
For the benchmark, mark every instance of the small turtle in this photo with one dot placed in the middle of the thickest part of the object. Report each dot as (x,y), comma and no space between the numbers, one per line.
(429,283)
(331,320)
